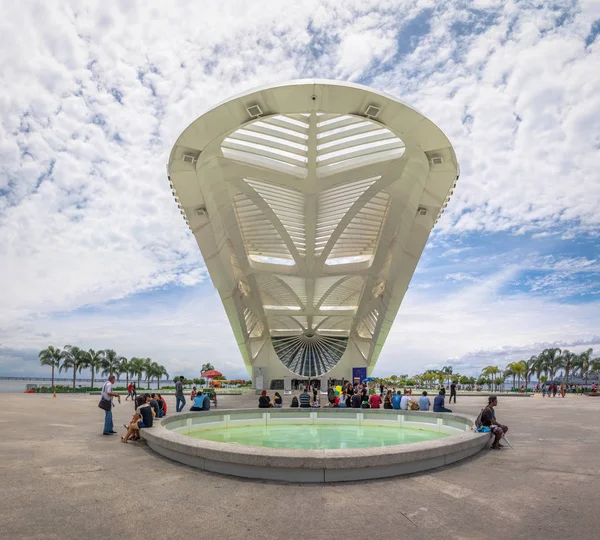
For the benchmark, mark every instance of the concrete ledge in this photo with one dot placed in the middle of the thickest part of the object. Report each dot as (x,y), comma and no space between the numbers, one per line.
(294,465)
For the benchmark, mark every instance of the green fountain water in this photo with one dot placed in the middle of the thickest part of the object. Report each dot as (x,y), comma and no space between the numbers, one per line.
(314,437)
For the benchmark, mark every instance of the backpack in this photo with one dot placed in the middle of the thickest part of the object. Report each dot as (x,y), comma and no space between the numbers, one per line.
(478,423)
(294,402)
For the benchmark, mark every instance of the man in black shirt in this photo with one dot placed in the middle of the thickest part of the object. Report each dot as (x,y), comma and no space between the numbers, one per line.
(488,418)
(154,405)
(452,392)
(356,400)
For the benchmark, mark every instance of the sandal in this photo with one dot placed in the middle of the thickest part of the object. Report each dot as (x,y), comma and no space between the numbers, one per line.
(123,439)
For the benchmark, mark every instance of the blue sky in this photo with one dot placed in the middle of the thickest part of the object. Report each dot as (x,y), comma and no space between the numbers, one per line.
(93,251)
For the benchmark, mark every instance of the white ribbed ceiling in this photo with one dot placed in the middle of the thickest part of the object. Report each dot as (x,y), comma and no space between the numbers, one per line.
(311,222)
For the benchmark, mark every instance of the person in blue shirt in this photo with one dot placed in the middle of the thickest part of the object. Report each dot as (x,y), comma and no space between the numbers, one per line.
(198,404)
(424,402)
(438,403)
(396,400)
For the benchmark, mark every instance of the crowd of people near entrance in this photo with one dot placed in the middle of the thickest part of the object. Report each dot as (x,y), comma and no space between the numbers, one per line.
(358,396)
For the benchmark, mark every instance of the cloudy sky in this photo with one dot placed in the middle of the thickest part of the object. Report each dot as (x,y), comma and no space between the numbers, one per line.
(93,251)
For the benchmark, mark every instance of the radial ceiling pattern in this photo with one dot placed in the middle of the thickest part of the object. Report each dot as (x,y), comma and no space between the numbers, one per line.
(304,202)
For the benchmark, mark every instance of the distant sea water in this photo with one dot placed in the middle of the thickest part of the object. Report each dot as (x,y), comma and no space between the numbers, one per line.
(21,385)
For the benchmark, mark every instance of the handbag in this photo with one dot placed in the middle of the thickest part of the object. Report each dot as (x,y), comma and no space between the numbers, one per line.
(105,404)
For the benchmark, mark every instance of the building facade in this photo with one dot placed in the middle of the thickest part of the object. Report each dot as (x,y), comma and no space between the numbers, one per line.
(311,202)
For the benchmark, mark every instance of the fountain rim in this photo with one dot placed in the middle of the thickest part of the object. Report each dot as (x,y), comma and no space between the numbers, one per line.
(315,465)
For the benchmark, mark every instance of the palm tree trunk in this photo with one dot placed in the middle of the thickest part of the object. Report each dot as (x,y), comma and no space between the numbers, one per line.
(158,382)
(567,375)
(74,375)
(92,376)
(53,377)
(127,380)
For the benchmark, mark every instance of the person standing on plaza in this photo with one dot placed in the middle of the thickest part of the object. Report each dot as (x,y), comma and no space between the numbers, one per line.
(107,396)
(129,391)
(179,397)
(452,392)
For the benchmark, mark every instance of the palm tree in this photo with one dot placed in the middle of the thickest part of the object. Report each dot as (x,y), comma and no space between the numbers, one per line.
(72,358)
(583,363)
(110,362)
(160,371)
(156,370)
(520,368)
(51,356)
(125,367)
(569,362)
(206,367)
(92,360)
(500,379)
(492,372)
(149,370)
(447,370)
(510,372)
(136,366)
(552,361)
(531,369)
(540,366)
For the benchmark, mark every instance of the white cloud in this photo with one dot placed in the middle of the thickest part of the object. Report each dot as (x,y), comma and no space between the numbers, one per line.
(94,97)
(475,325)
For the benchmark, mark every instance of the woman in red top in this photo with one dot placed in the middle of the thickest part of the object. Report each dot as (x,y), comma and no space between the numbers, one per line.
(129,391)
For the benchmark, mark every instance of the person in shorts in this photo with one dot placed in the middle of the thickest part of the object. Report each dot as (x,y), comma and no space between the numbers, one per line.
(488,419)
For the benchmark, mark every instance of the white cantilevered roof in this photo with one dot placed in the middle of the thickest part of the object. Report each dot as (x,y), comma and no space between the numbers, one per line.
(311,202)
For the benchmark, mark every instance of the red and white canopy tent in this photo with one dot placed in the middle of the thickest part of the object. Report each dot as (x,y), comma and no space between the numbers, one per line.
(211,374)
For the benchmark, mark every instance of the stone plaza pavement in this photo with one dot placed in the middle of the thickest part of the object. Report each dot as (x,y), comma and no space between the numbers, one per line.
(62,479)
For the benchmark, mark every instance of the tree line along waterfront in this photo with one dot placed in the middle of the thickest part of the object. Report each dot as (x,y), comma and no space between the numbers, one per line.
(104,362)
(545,367)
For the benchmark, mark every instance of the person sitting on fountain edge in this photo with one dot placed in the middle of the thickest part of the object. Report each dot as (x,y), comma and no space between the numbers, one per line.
(488,419)
(397,400)
(264,401)
(199,404)
(438,403)
(424,402)
(305,398)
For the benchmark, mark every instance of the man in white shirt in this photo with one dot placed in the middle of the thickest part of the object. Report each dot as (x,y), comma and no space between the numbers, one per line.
(405,400)
(108,394)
